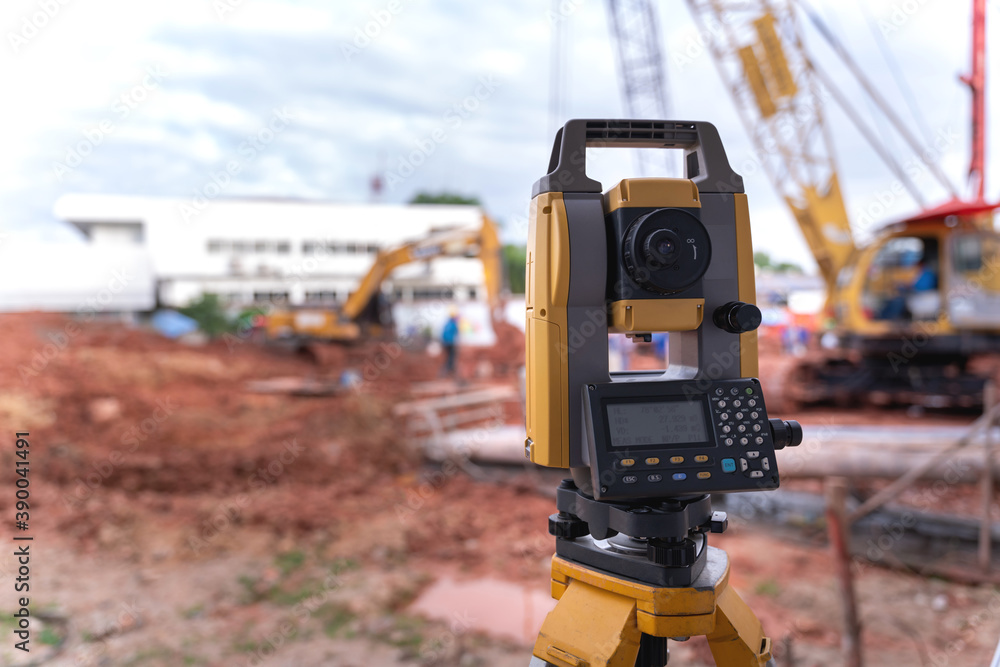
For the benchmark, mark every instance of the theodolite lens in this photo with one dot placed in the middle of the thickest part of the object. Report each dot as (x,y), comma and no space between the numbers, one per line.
(666,250)
(661,248)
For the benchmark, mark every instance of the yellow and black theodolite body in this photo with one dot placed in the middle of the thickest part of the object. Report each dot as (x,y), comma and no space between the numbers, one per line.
(633,566)
(585,278)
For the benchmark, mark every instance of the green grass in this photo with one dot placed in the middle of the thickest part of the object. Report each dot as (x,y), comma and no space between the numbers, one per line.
(193,612)
(290,561)
(768,587)
(335,618)
(49,637)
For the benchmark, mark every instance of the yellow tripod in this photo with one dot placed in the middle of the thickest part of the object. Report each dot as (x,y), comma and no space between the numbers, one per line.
(604,617)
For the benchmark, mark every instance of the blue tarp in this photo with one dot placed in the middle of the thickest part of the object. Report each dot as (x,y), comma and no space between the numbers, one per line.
(172,324)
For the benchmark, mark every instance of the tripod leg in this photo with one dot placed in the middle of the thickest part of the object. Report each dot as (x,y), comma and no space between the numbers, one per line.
(738,639)
(653,652)
(589,626)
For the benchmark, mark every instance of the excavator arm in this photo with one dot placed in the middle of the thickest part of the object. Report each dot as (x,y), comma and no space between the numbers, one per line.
(483,243)
(343,324)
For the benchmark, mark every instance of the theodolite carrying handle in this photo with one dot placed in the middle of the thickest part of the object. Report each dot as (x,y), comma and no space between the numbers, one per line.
(705,160)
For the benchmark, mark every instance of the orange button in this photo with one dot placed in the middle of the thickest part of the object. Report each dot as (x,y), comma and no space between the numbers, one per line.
(701,458)
(628,462)
(652,461)
(704,475)
(677,459)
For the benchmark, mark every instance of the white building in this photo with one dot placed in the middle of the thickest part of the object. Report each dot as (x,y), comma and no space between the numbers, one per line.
(255,250)
(74,278)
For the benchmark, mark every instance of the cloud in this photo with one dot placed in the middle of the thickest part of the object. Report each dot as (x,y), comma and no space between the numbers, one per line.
(368,86)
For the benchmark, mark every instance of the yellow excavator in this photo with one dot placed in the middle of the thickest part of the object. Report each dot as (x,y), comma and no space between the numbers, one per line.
(915,313)
(362,316)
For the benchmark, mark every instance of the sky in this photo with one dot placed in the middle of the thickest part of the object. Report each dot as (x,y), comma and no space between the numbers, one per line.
(309,99)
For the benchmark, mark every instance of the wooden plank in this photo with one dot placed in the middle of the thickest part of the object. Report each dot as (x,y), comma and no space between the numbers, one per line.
(901,484)
(487,395)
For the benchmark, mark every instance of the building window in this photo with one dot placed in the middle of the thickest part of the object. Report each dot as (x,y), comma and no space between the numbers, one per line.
(261,246)
(284,247)
(216,246)
(324,297)
(432,293)
(242,246)
(271,297)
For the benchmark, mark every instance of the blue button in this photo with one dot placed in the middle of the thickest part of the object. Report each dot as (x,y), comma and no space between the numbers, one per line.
(728,465)
(680,476)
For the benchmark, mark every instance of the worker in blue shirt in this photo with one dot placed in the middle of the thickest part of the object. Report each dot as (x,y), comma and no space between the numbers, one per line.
(449,341)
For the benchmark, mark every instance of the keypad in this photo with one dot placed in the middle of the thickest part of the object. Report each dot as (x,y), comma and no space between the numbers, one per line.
(739,420)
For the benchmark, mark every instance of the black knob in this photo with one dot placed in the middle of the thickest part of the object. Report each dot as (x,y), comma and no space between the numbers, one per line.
(737,317)
(719,522)
(671,553)
(567,526)
(786,433)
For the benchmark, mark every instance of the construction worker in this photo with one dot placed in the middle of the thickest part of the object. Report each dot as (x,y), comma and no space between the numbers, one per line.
(449,341)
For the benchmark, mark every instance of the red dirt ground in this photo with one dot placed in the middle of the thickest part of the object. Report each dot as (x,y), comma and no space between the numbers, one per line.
(149,454)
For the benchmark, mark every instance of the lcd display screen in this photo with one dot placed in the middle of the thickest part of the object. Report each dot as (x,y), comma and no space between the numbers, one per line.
(657,423)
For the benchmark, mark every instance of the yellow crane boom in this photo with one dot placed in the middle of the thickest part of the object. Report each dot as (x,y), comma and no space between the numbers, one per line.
(781,106)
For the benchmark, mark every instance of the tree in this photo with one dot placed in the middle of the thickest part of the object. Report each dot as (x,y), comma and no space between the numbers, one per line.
(513,263)
(444,197)
(209,314)
(764,262)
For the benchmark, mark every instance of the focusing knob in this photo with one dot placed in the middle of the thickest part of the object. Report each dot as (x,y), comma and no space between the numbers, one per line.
(737,317)
(786,433)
